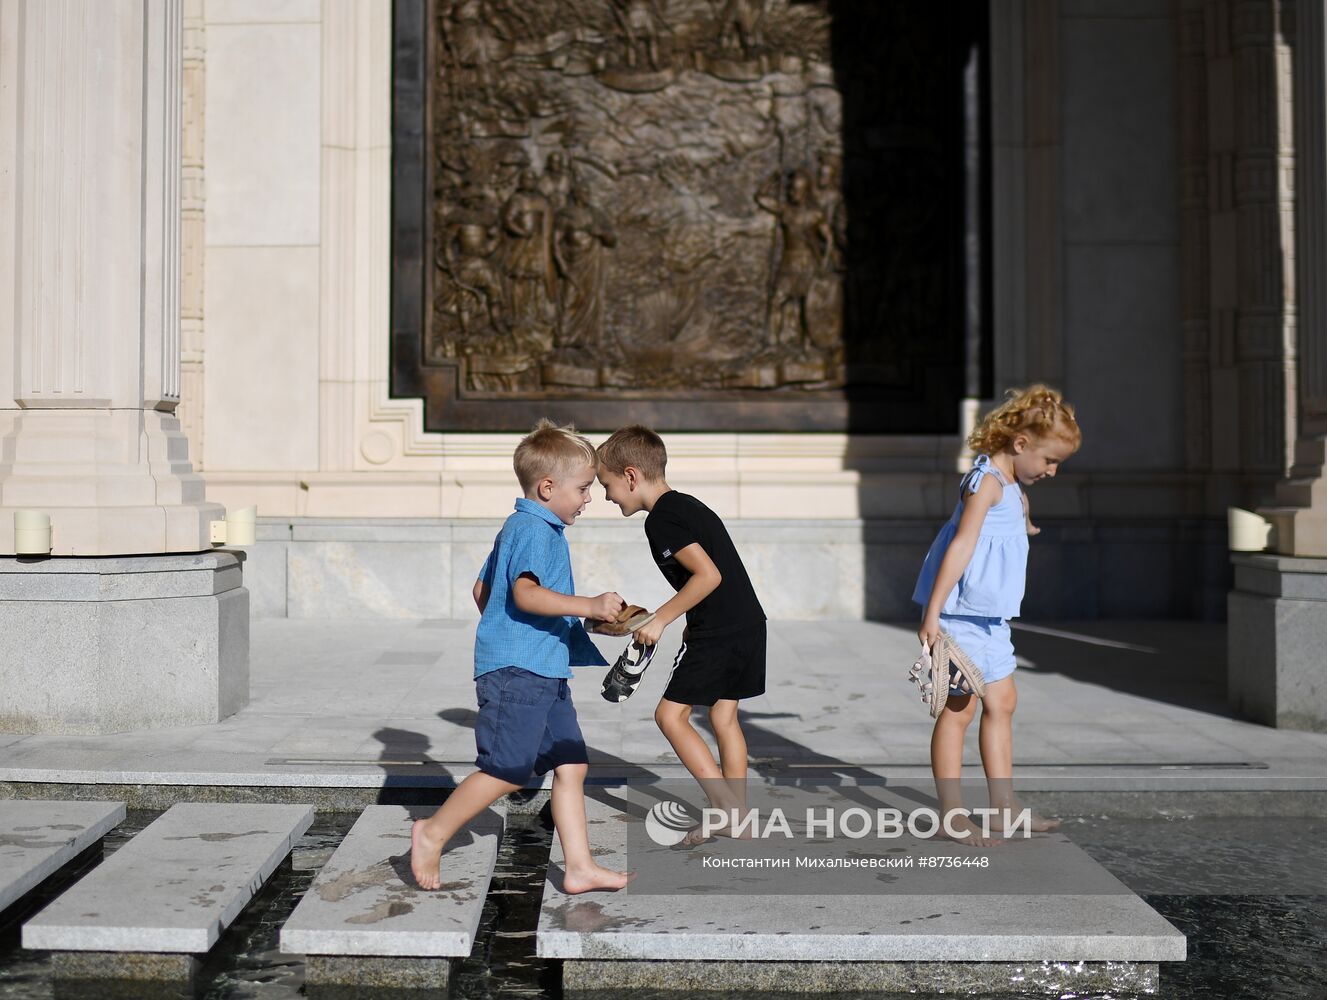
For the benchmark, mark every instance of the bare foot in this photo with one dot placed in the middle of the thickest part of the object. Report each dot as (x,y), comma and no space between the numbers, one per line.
(1038,824)
(594,878)
(967,833)
(695,836)
(425,857)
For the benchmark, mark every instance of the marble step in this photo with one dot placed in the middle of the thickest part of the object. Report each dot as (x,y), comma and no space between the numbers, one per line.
(176,886)
(38,837)
(364,905)
(920,928)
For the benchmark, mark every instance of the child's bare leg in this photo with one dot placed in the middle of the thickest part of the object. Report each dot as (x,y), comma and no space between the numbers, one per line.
(732,747)
(429,836)
(674,720)
(947,767)
(996,738)
(582,874)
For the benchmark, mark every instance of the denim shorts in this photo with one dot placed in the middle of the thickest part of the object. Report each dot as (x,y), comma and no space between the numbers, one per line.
(526,725)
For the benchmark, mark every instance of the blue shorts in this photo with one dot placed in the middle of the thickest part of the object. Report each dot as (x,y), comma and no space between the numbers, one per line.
(987,641)
(526,725)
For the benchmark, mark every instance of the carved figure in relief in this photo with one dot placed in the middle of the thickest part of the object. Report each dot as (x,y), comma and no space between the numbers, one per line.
(527,218)
(829,196)
(471,239)
(742,23)
(640,20)
(805,238)
(580,236)
(474,42)
(825,303)
(557,181)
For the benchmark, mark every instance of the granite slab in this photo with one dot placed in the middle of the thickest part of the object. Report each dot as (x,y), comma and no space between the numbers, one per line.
(177,885)
(38,837)
(365,901)
(904,920)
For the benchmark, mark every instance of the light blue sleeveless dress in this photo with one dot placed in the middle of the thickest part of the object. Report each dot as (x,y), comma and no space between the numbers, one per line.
(977,611)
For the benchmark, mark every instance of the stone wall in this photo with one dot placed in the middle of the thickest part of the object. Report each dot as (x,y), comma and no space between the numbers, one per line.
(1086,255)
(802,569)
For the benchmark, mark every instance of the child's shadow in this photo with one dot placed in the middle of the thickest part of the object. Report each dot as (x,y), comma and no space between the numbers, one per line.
(410,775)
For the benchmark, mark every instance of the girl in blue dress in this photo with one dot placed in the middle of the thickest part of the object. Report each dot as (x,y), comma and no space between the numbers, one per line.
(971,584)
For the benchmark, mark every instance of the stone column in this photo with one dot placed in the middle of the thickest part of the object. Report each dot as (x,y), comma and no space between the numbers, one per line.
(90,171)
(90,279)
(1278,608)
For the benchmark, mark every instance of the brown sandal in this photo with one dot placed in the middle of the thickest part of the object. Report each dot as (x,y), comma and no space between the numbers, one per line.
(628,620)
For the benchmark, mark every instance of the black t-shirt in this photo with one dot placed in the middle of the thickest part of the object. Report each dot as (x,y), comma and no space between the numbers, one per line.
(678,520)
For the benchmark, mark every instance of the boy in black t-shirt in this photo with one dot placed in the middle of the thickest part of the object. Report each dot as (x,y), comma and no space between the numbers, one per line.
(722,658)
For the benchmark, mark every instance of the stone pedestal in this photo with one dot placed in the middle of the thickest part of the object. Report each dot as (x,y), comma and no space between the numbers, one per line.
(113,644)
(1278,641)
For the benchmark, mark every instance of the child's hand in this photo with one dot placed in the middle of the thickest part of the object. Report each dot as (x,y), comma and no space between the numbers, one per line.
(929,632)
(1032,529)
(605,607)
(650,633)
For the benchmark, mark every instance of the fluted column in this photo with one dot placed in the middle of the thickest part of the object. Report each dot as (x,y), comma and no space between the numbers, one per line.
(1264,171)
(90,278)
(1300,511)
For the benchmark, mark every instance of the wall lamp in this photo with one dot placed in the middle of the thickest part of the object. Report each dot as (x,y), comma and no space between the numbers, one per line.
(239,528)
(32,533)
(1247,531)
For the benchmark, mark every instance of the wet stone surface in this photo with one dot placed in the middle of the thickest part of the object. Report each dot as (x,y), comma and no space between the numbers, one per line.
(177,885)
(1256,945)
(365,901)
(38,838)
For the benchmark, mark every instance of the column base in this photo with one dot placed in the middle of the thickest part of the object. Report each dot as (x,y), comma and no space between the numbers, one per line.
(122,643)
(1276,635)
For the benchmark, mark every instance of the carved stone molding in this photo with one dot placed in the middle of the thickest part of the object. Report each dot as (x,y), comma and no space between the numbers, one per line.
(193,195)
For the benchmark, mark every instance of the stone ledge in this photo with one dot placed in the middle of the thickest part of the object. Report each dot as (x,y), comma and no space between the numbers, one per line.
(1291,577)
(1039,978)
(120,578)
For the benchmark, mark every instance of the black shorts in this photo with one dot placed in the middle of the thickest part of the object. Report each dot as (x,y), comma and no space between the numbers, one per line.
(727,666)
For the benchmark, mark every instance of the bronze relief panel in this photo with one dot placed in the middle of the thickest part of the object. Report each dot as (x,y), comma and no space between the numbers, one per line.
(678,211)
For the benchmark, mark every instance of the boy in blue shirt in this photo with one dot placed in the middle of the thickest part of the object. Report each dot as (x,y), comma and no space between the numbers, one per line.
(528,638)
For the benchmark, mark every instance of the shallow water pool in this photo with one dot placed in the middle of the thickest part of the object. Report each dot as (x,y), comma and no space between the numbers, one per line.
(1248,894)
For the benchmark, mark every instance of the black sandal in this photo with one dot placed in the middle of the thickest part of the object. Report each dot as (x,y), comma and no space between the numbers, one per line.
(624,676)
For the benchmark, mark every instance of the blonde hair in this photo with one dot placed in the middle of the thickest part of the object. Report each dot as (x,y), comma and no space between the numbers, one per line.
(550,451)
(637,446)
(1037,411)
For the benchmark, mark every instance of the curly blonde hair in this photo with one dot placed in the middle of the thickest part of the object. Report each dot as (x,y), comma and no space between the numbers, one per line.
(1037,411)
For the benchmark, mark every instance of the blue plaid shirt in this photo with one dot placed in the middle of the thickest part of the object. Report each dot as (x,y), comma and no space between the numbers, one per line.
(531,541)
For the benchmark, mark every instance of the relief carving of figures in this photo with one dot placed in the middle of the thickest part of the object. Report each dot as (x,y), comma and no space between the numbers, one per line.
(527,219)
(639,20)
(557,181)
(825,303)
(806,241)
(470,240)
(475,43)
(581,235)
(742,22)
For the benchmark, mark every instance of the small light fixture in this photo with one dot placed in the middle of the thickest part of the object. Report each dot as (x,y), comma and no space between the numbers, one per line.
(239,528)
(242,526)
(1247,531)
(32,533)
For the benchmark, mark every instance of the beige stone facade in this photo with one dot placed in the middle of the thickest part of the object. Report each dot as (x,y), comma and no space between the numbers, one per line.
(1147,183)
